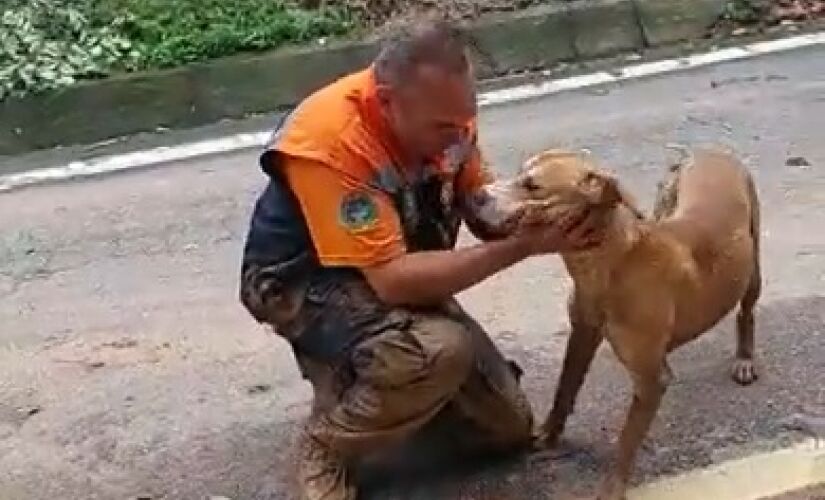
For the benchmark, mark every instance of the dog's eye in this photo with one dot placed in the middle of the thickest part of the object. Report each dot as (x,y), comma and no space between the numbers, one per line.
(591,178)
(529,184)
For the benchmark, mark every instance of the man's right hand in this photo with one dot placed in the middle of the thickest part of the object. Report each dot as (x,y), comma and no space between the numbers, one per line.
(572,231)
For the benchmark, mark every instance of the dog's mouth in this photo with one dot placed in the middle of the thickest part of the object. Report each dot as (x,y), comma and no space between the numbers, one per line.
(547,213)
(507,204)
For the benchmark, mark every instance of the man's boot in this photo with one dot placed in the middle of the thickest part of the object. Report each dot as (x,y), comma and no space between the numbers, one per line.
(322,474)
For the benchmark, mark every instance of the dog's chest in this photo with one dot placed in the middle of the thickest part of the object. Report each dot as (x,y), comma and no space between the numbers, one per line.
(592,297)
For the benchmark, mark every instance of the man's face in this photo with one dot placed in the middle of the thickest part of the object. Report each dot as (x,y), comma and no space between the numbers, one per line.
(430,112)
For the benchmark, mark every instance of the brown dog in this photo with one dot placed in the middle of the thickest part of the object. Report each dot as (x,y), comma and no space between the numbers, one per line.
(652,285)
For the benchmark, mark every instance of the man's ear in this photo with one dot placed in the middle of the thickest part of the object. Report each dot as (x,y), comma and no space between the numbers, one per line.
(601,189)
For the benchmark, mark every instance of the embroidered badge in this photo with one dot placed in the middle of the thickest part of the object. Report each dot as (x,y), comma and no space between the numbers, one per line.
(358,212)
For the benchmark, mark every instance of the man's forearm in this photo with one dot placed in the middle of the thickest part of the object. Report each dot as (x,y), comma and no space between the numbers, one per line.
(426,278)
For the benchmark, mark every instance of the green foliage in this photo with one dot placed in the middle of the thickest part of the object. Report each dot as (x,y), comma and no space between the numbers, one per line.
(46,45)
(174,32)
(49,44)
(745,11)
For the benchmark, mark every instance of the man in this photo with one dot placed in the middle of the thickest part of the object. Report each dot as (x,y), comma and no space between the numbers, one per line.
(350,257)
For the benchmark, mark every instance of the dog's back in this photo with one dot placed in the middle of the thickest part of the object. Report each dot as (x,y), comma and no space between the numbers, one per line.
(713,190)
(714,215)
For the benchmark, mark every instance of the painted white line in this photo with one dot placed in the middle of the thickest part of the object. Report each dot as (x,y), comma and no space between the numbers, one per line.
(781,44)
(137,159)
(650,68)
(523,92)
(493,98)
(752,478)
(728,54)
(532,91)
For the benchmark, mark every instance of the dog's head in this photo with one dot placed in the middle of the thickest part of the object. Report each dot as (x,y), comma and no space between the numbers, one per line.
(566,177)
(547,186)
(556,181)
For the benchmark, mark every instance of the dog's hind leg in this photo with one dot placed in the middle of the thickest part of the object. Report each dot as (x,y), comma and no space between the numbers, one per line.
(744,371)
(582,345)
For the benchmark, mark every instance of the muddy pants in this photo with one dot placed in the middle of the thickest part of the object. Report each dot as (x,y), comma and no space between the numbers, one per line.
(380,374)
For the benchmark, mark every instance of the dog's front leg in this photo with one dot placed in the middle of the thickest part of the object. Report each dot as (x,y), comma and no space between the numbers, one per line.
(651,375)
(584,341)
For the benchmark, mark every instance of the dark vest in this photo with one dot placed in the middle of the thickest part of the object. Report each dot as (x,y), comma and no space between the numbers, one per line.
(280,265)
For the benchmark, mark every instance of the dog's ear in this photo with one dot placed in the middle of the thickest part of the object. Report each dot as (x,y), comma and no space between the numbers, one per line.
(601,189)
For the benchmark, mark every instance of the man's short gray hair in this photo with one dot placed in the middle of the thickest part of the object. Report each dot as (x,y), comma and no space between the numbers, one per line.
(432,42)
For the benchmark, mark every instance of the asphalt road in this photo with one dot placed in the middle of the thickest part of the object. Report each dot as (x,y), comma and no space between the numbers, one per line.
(128,369)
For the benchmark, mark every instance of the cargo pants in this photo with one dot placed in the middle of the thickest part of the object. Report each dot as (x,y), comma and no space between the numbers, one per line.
(380,374)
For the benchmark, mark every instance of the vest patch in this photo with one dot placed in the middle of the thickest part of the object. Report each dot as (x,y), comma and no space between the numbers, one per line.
(358,212)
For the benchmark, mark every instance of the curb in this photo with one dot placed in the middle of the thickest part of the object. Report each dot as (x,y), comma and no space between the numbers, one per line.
(241,85)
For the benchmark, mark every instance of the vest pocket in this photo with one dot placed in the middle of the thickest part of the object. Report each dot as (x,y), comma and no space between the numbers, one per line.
(339,314)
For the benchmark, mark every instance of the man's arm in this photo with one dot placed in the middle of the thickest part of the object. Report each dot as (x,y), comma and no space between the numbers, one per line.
(372,240)
(353,226)
(425,278)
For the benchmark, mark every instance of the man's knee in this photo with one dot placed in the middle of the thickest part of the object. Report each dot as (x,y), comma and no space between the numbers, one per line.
(265,296)
(449,349)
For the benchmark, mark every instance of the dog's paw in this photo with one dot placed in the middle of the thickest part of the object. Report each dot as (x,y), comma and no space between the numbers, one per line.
(547,437)
(543,441)
(744,372)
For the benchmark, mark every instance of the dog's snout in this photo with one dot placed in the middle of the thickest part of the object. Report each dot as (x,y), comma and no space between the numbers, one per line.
(495,204)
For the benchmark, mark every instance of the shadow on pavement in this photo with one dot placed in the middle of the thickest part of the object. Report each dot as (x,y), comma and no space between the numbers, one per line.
(706,417)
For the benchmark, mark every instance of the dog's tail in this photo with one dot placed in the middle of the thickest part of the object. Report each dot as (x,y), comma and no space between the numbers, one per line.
(754,289)
(667,194)
(756,214)
(685,156)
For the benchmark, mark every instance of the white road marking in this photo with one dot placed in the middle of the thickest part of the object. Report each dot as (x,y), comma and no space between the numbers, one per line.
(155,156)
(752,478)
(532,91)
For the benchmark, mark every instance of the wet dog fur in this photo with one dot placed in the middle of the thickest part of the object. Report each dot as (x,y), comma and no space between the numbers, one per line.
(653,284)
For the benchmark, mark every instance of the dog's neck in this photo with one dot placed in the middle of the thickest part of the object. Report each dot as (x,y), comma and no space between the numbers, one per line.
(624,228)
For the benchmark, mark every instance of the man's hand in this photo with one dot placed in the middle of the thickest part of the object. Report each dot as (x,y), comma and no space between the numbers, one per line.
(575,230)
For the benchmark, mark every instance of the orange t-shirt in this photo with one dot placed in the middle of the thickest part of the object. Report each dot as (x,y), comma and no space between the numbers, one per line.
(335,150)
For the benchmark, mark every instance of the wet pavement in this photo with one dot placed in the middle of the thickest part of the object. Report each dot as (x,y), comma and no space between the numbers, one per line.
(128,369)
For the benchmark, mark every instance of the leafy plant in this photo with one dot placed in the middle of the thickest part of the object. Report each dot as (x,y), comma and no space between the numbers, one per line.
(50,44)
(745,11)
(174,32)
(45,45)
